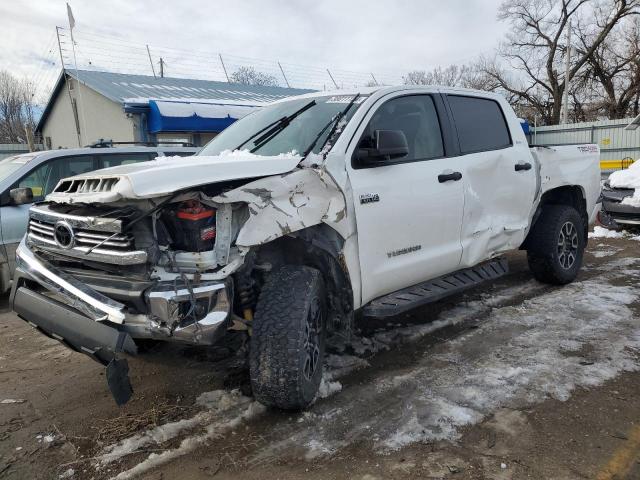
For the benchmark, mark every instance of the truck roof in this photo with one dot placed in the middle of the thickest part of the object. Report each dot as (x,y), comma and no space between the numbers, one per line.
(383,90)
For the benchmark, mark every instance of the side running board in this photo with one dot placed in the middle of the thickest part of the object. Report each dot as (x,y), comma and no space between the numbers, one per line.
(430,291)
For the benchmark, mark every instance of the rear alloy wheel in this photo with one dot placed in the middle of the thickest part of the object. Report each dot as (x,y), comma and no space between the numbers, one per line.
(568,245)
(556,245)
(287,342)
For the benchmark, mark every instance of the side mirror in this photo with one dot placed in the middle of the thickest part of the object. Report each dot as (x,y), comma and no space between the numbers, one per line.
(389,144)
(20,196)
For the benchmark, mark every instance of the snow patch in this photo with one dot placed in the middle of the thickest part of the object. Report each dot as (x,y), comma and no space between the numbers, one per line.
(601,232)
(223,409)
(67,473)
(8,401)
(328,388)
(215,429)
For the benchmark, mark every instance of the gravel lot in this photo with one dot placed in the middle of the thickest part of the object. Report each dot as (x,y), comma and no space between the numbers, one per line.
(511,380)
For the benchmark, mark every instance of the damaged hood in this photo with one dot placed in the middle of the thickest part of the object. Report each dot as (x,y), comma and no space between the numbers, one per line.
(167,175)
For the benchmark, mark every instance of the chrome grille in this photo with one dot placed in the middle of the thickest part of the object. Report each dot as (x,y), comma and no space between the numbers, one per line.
(84,243)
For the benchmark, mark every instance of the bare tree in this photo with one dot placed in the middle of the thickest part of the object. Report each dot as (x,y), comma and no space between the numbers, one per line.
(612,73)
(16,108)
(449,76)
(250,76)
(466,76)
(532,66)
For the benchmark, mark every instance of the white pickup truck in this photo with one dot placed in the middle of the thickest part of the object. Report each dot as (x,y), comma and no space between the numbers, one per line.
(295,219)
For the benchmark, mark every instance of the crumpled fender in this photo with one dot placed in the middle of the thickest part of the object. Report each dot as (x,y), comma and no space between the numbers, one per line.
(282,204)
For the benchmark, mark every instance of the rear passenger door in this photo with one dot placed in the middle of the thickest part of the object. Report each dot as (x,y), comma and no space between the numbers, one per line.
(408,211)
(498,178)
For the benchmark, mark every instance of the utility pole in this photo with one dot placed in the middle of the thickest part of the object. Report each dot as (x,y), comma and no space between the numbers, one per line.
(224,68)
(334,82)
(161,67)
(284,76)
(72,101)
(565,94)
(153,69)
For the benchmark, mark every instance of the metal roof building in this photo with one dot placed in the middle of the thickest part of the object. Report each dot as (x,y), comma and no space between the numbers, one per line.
(87,106)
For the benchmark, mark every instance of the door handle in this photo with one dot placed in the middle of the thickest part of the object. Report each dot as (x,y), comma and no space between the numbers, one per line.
(446,177)
(522,166)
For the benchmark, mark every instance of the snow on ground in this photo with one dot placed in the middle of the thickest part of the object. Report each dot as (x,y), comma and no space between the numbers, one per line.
(517,354)
(223,412)
(601,232)
(576,336)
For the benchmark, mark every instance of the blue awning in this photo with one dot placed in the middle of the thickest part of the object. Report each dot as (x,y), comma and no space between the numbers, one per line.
(168,116)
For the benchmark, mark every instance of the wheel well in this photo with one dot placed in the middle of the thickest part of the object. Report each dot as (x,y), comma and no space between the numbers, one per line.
(319,247)
(572,195)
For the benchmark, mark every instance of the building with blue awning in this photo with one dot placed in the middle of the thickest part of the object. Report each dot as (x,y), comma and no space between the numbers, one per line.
(87,106)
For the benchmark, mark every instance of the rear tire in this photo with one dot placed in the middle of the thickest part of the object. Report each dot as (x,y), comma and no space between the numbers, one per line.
(288,338)
(556,245)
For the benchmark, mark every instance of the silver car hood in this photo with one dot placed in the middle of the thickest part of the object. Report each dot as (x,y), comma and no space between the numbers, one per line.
(167,175)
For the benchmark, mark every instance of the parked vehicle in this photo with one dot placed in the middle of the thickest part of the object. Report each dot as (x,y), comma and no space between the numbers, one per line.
(295,218)
(29,177)
(620,202)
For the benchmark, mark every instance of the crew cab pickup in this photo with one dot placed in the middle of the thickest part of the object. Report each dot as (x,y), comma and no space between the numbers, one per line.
(296,218)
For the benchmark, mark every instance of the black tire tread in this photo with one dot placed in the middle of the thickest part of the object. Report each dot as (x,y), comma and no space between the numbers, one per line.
(542,242)
(276,340)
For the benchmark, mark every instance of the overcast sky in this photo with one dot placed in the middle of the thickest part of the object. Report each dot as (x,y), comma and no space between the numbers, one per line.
(366,35)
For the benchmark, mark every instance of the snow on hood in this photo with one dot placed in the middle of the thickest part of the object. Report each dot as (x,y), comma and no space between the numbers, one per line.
(166,175)
(629,178)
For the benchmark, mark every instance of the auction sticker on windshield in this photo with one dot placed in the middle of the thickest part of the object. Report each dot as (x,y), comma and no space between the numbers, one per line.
(345,99)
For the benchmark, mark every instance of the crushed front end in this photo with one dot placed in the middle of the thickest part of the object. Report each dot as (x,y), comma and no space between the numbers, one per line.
(617,213)
(99,277)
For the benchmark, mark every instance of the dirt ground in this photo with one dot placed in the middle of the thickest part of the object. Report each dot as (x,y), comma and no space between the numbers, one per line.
(507,381)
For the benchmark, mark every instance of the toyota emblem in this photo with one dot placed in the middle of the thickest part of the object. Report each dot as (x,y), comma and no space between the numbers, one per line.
(63,235)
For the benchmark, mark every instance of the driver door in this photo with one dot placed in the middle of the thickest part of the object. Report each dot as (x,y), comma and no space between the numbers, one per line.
(408,214)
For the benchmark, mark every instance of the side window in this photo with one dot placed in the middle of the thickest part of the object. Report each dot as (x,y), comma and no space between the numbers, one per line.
(117,159)
(45,177)
(416,116)
(36,180)
(480,123)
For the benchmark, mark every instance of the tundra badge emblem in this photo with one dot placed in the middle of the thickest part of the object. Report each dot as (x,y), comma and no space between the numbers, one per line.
(63,235)
(369,198)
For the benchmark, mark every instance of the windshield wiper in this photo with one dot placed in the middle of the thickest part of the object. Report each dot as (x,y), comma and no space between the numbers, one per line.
(335,121)
(274,128)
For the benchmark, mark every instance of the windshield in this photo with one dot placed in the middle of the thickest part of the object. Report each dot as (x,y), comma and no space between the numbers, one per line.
(310,117)
(11,164)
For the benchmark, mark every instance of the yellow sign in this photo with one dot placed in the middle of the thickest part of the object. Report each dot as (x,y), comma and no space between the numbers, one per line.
(605,141)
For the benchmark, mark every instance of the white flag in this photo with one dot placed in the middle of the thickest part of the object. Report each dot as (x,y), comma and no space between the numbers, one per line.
(72,21)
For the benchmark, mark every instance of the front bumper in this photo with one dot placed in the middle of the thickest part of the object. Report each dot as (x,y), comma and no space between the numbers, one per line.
(89,322)
(616,215)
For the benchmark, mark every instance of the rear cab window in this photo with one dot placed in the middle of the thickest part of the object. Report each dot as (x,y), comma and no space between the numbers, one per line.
(480,123)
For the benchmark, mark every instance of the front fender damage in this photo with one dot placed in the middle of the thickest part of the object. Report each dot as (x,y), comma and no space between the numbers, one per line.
(283,204)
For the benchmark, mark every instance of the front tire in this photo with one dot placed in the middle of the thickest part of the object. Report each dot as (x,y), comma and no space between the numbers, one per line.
(288,338)
(557,244)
